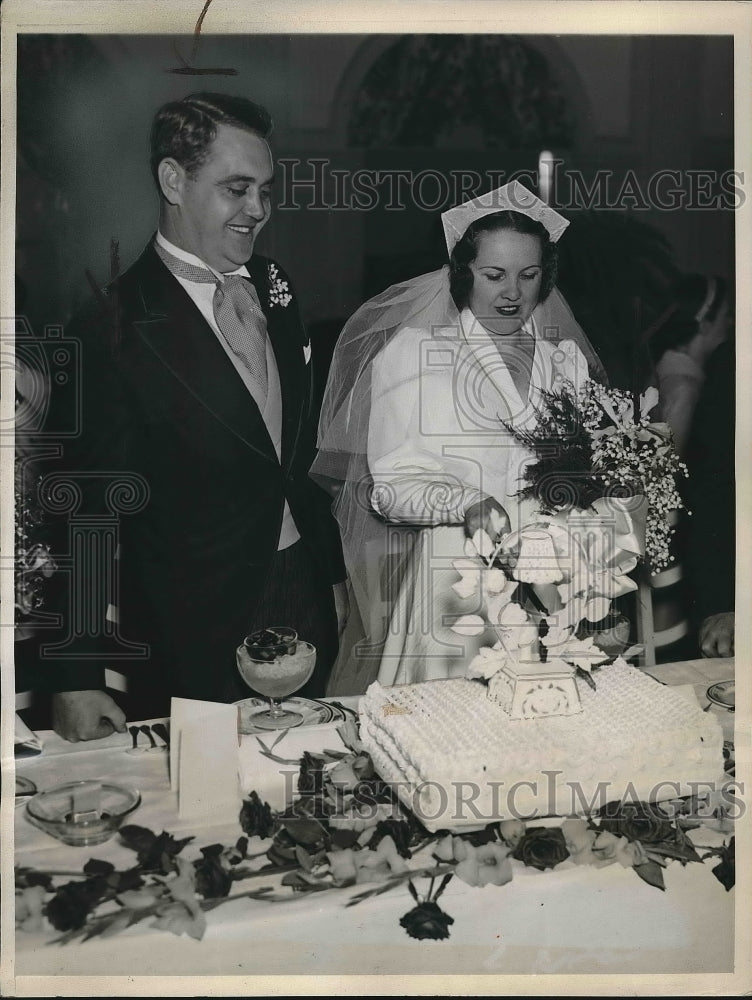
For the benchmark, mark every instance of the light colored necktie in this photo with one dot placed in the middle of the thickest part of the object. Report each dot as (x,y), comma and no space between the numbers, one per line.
(237,312)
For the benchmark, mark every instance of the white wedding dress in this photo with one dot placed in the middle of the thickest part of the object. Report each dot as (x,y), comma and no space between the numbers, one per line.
(436,444)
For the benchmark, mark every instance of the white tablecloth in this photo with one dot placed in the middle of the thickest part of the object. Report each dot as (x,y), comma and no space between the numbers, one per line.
(571,920)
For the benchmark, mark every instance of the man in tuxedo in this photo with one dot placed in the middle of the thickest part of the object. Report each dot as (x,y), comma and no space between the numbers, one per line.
(196,386)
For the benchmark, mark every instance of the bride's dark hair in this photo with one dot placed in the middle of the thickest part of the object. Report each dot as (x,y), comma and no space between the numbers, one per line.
(466,250)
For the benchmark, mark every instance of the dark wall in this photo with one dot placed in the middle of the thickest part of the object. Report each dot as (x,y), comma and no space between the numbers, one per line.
(640,104)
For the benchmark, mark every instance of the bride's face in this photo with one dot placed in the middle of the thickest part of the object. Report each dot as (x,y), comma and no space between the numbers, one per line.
(507,277)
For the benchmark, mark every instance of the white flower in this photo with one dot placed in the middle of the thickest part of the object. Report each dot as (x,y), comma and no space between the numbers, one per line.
(514,628)
(470,574)
(557,634)
(483,543)
(581,653)
(495,581)
(498,523)
(279,292)
(487,662)
(596,608)
(578,607)
(648,400)
(614,582)
(496,604)
(618,405)
(469,625)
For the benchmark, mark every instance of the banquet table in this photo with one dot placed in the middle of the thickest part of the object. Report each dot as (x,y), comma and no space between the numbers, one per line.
(574,919)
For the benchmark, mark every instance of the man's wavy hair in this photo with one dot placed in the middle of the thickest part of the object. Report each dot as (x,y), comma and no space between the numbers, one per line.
(184,130)
(466,250)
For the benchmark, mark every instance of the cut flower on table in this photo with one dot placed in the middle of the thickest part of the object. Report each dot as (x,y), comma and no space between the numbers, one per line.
(355,837)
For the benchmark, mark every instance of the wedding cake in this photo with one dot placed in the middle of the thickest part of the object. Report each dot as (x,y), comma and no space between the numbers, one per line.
(457,759)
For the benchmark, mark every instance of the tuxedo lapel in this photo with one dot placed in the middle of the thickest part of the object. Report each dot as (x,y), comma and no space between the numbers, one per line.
(286,335)
(178,335)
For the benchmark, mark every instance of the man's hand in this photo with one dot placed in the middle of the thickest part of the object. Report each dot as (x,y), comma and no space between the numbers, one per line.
(85,715)
(489,515)
(717,635)
(341,605)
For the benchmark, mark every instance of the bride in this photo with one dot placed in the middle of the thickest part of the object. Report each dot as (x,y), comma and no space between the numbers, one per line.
(413,439)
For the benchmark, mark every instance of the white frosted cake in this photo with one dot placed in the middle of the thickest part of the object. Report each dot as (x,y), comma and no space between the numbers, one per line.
(457,759)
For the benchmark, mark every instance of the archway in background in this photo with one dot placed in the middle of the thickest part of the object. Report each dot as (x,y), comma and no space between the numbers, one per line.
(433,107)
(377,51)
(496,91)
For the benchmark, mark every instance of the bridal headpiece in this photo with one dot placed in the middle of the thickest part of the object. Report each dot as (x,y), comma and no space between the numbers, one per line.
(511,197)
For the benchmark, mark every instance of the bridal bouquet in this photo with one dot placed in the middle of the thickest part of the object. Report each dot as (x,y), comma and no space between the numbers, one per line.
(591,445)
(604,478)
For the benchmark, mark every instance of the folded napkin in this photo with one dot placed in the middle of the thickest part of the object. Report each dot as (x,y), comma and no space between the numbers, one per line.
(27,743)
(203,758)
(276,781)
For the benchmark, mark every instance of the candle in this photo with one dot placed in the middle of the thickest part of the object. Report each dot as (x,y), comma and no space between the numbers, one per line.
(546,175)
(86,802)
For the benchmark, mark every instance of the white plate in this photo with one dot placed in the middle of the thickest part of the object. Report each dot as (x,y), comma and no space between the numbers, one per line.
(723,693)
(315,713)
(25,788)
(342,712)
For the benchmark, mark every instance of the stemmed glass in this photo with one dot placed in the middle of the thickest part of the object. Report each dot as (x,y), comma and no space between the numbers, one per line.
(275,663)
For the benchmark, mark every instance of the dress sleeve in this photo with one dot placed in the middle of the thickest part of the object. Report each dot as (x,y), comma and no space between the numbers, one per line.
(412,484)
(679,395)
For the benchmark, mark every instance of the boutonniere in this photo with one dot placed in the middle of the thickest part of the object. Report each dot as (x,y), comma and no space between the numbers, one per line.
(279,291)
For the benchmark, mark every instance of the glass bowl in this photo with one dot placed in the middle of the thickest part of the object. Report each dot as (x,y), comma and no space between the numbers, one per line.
(82,813)
(275,679)
(280,676)
(271,643)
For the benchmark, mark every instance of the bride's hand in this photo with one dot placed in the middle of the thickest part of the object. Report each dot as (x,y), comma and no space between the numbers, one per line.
(489,515)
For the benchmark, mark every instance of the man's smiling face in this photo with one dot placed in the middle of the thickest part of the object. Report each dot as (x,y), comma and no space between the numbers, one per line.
(224,204)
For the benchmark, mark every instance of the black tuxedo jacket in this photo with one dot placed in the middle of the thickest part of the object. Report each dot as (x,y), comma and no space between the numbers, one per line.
(161,401)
